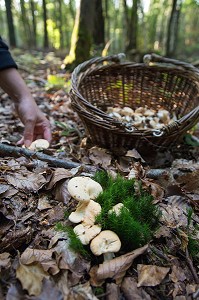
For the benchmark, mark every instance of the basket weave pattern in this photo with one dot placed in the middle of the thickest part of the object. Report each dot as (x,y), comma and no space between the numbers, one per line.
(158,83)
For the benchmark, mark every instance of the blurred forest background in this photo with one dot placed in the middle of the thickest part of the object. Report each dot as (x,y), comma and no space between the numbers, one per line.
(78,30)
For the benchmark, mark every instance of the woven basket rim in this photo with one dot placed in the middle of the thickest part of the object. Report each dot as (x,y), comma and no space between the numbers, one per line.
(98,116)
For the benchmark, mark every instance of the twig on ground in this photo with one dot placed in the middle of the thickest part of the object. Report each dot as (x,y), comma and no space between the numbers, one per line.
(191,267)
(6,150)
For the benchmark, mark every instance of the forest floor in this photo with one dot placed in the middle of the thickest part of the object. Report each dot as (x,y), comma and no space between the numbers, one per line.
(36,261)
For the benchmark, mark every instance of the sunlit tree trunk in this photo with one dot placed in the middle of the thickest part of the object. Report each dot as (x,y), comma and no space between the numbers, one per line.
(11,30)
(46,41)
(173,27)
(82,36)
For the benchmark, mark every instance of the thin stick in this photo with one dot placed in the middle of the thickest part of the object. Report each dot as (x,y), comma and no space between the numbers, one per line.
(6,150)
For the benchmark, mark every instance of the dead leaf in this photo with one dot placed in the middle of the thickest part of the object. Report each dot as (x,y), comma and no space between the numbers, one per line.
(177,274)
(132,292)
(49,291)
(59,174)
(151,275)
(31,277)
(44,257)
(81,292)
(27,181)
(115,268)
(184,239)
(154,189)
(112,291)
(99,156)
(4,260)
(61,192)
(43,203)
(3,188)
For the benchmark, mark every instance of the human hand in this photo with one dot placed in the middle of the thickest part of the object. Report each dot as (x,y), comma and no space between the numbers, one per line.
(35,123)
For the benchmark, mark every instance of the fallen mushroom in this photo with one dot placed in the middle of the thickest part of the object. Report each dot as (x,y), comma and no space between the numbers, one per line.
(86,232)
(84,188)
(107,243)
(39,144)
(86,212)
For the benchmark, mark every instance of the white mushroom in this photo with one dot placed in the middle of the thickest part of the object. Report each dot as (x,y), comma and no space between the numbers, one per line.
(92,210)
(127,111)
(86,212)
(39,144)
(116,209)
(164,116)
(106,243)
(86,232)
(78,215)
(84,188)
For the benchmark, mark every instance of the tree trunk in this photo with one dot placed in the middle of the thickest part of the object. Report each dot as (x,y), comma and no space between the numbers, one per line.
(60,24)
(26,25)
(46,42)
(98,33)
(82,36)
(133,27)
(11,30)
(173,26)
(34,23)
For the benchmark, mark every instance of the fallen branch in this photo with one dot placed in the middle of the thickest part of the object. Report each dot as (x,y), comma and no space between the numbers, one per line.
(6,150)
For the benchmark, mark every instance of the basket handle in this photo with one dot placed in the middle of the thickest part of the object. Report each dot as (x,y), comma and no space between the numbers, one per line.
(155,58)
(117,58)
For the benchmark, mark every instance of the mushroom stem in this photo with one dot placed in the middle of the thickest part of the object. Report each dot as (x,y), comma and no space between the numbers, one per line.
(108,256)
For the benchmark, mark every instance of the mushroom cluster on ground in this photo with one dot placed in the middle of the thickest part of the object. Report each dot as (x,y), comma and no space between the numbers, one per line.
(141,117)
(85,190)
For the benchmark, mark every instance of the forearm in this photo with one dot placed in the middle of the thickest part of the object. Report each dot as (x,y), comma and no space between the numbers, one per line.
(12,83)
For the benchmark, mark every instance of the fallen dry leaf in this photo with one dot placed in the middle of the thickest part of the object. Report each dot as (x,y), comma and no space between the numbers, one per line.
(99,156)
(81,292)
(132,292)
(4,260)
(31,277)
(27,181)
(115,268)
(177,274)
(151,275)
(59,174)
(44,257)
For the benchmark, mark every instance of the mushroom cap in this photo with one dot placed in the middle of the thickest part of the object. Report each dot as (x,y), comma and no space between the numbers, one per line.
(106,241)
(92,210)
(116,209)
(86,232)
(78,215)
(39,144)
(85,212)
(84,188)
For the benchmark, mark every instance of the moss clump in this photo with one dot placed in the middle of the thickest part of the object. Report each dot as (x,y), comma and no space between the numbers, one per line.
(138,218)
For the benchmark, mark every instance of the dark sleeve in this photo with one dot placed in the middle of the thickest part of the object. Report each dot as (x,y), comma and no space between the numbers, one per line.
(6,60)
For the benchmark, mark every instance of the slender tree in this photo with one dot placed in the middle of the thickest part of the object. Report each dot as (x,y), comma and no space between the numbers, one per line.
(46,40)
(98,32)
(172,34)
(82,36)
(34,23)
(11,29)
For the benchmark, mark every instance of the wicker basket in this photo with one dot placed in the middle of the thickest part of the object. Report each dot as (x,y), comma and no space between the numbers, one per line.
(159,82)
